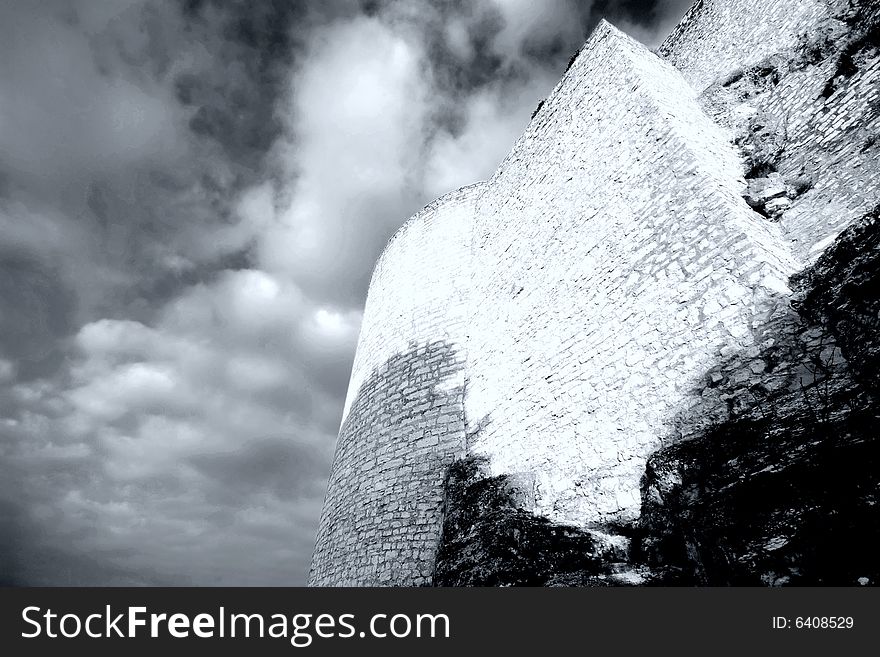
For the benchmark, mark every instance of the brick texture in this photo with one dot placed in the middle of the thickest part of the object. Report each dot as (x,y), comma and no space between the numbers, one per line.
(716,37)
(614,259)
(403,422)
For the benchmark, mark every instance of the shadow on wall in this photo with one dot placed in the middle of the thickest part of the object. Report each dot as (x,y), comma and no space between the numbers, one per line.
(781,489)
(381,519)
(785,489)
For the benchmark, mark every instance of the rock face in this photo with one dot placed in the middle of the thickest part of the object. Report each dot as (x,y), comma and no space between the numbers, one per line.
(787,491)
(770,196)
(641,327)
(841,290)
(490,541)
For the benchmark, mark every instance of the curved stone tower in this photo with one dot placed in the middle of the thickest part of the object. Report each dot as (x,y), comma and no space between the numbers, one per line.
(403,421)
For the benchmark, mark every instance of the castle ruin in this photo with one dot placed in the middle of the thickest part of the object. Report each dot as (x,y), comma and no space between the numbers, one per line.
(614,286)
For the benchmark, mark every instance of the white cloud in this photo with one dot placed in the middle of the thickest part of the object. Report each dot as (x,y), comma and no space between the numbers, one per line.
(526,21)
(220,374)
(459,39)
(7,370)
(356,115)
(109,122)
(494,119)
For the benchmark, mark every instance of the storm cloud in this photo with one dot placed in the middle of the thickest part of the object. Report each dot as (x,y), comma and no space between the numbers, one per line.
(192,197)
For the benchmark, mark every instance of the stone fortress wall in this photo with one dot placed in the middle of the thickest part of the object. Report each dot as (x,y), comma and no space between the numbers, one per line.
(610,287)
(720,44)
(716,37)
(419,287)
(602,286)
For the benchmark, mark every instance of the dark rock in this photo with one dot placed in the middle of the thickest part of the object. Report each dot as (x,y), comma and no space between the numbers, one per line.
(842,291)
(786,491)
(781,501)
(488,540)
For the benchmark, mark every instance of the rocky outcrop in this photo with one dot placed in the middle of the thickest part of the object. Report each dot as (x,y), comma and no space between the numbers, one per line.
(770,196)
(776,501)
(787,492)
(841,291)
(490,540)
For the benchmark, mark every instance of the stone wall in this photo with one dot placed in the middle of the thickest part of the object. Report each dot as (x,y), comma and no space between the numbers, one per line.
(404,419)
(614,259)
(419,285)
(785,492)
(819,100)
(828,115)
(716,37)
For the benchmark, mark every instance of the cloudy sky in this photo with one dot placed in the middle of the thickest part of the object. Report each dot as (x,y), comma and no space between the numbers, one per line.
(192,195)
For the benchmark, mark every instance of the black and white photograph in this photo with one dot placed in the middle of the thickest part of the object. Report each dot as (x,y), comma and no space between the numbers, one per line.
(440,293)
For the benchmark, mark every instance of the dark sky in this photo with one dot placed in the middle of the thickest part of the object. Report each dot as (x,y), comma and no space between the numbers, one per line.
(192,196)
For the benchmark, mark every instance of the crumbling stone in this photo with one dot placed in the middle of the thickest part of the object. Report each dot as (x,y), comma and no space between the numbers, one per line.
(769,195)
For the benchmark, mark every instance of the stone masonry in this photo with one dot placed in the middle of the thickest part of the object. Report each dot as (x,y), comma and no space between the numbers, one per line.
(403,422)
(565,319)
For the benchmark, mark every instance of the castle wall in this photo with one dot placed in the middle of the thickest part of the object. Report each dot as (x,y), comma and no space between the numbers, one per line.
(403,422)
(608,291)
(826,120)
(833,140)
(716,37)
(614,261)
